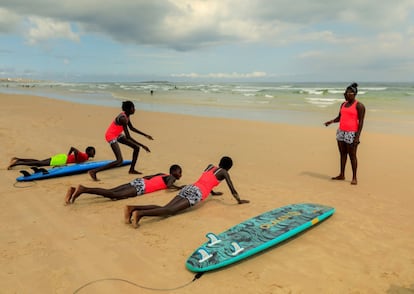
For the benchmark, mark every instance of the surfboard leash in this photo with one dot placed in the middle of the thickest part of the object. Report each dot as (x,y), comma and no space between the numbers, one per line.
(196,277)
(26,186)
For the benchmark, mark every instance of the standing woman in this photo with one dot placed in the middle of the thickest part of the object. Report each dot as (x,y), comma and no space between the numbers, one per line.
(118,132)
(351,120)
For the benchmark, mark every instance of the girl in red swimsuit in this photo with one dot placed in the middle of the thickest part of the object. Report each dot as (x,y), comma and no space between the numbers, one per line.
(118,132)
(351,120)
(137,187)
(188,196)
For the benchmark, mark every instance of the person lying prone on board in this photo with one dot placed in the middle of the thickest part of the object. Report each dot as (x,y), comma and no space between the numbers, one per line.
(189,195)
(73,156)
(137,187)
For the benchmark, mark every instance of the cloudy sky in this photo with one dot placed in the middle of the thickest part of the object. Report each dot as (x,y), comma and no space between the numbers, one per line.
(211,40)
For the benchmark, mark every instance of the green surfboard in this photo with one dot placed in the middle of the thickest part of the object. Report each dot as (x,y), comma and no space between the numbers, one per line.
(255,235)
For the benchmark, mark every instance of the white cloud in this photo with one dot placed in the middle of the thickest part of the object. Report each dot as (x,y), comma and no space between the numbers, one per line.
(222,36)
(44,29)
(9,21)
(185,25)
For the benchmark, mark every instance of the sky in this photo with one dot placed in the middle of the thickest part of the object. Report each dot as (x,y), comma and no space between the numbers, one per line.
(210,40)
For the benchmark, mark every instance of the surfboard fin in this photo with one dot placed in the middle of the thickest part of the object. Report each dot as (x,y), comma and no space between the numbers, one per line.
(25,173)
(39,170)
(236,248)
(213,239)
(204,254)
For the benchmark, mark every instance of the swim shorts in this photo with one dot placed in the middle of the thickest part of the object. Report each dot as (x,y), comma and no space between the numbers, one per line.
(191,193)
(347,137)
(58,159)
(116,139)
(139,185)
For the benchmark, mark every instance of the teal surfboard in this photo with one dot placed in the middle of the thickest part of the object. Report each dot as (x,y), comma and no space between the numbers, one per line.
(42,173)
(255,235)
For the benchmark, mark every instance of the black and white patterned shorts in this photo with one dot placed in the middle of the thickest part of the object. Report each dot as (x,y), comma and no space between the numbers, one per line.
(139,185)
(116,139)
(347,137)
(191,193)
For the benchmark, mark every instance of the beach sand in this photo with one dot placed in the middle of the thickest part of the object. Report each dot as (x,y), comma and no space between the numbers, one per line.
(367,246)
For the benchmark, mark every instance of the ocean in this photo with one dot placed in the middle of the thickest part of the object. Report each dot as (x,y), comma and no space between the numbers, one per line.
(389,106)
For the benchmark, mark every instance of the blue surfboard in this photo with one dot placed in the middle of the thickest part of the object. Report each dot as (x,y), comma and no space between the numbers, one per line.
(42,173)
(255,235)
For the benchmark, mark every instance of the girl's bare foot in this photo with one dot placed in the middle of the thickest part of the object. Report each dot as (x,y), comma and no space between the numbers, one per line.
(354,182)
(79,190)
(127,214)
(135,172)
(69,194)
(135,218)
(12,161)
(92,174)
(339,178)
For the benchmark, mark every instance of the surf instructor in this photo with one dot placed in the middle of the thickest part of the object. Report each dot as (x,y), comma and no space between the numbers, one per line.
(351,120)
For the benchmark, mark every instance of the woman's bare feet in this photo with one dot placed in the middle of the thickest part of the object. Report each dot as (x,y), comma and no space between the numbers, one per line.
(339,178)
(69,194)
(135,219)
(127,213)
(79,190)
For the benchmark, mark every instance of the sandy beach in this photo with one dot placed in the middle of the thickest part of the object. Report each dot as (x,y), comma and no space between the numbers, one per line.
(367,246)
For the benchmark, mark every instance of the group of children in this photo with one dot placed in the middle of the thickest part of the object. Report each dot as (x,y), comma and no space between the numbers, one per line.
(119,132)
(350,118)
(188,196)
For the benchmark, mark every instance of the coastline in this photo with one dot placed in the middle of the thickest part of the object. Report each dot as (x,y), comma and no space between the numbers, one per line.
(367,246)
(390,107)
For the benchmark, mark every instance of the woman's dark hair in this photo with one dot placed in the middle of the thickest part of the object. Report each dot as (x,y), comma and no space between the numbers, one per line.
(353,87)
(127,105)
(226,162)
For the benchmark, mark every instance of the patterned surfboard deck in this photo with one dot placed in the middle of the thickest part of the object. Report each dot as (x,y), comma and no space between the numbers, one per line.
(73,169)
(256,234)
